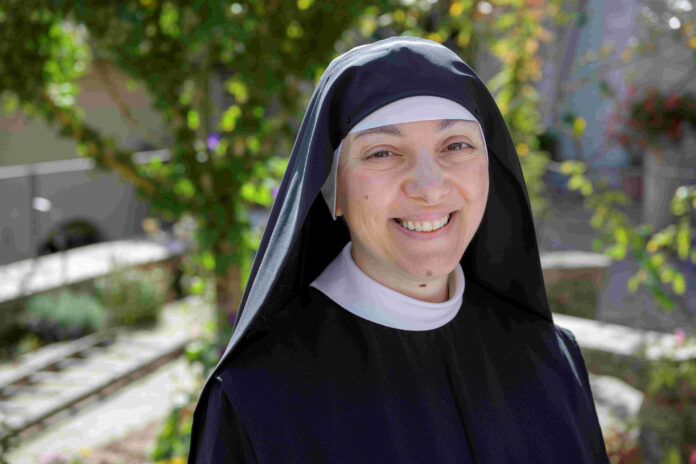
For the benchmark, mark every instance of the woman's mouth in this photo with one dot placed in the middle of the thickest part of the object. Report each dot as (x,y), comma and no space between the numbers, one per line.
(425,226)
(426,230)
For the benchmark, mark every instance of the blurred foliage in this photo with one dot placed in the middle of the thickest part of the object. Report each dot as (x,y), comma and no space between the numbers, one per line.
(655,251)
(64,316)
(134,296)
(668,413)
(621,447)
(619,237)
(653,120)
(8,442)
(174,437)
(128,296)
(573,297)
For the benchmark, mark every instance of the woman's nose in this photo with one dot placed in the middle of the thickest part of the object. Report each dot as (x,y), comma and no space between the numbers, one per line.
(427,180)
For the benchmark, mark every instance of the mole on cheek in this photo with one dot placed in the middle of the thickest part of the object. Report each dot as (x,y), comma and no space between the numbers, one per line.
(366,197)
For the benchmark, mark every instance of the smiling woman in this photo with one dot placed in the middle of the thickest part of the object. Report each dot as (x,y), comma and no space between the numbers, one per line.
(417,329)
(428,174)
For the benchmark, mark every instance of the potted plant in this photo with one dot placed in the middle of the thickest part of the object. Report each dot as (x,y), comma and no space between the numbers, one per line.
(660,129)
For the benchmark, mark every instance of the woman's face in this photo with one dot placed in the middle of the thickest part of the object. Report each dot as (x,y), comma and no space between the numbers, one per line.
(418,172)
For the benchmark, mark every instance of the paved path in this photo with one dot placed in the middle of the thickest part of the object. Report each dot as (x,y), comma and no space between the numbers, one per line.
(149,398)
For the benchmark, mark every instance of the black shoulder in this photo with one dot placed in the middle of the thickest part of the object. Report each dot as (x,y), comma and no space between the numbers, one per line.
(218,434)
(566,334)
(286,336)
(570,346)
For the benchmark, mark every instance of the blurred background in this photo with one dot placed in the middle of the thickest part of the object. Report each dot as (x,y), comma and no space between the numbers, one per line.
(142,144)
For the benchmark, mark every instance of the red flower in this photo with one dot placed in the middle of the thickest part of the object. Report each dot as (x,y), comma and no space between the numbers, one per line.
(656,120)
(672,102)
(650,104)
(692,458)
(674,131)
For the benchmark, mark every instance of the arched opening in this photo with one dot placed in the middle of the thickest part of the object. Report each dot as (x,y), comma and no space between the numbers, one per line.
(70,235)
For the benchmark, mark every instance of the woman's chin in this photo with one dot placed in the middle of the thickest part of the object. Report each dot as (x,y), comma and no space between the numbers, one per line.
(429,268)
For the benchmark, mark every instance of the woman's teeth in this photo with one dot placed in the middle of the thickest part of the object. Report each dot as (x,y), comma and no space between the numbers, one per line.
(424,226)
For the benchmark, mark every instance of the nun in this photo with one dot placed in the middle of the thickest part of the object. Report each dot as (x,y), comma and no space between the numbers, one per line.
(396,310)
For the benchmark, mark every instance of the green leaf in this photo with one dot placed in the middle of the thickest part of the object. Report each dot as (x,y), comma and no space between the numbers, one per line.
(169,20)
(197,285)
(193,120)
(666,275)
(264,196)
(633,284)
(208,261)
(596,244)
(575,182)
(621,235)
(596,221)
(229,118)
(582,19)
(616,252)
(679,284)
(185,188)
(248,192)
(579,125)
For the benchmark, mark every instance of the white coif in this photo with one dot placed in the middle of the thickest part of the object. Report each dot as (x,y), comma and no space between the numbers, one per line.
(352,289)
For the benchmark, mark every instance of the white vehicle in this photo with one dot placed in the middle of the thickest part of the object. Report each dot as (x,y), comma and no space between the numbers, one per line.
(52,206)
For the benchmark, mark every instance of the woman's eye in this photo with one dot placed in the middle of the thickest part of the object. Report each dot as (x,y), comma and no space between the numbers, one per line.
(378,154)
(458,146)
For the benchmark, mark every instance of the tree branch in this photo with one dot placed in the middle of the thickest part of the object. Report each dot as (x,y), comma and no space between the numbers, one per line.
(100,66)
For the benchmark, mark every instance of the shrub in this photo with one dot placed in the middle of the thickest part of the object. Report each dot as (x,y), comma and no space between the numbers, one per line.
(134,296)
(62,316)
(573,297)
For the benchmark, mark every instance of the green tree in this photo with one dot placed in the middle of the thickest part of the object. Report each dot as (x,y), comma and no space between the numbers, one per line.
(224,158)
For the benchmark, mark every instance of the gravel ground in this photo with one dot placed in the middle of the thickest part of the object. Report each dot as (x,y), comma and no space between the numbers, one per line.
(133,448)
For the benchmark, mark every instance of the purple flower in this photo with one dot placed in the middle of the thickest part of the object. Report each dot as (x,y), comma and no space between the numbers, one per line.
(274,192)
(53,457)
(212,141)
(679,336)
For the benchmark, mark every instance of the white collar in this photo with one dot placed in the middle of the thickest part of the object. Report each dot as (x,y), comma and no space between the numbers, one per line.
(345,283)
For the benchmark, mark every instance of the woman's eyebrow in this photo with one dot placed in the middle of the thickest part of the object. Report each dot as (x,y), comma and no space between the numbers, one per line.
(446,123)
(392,130)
